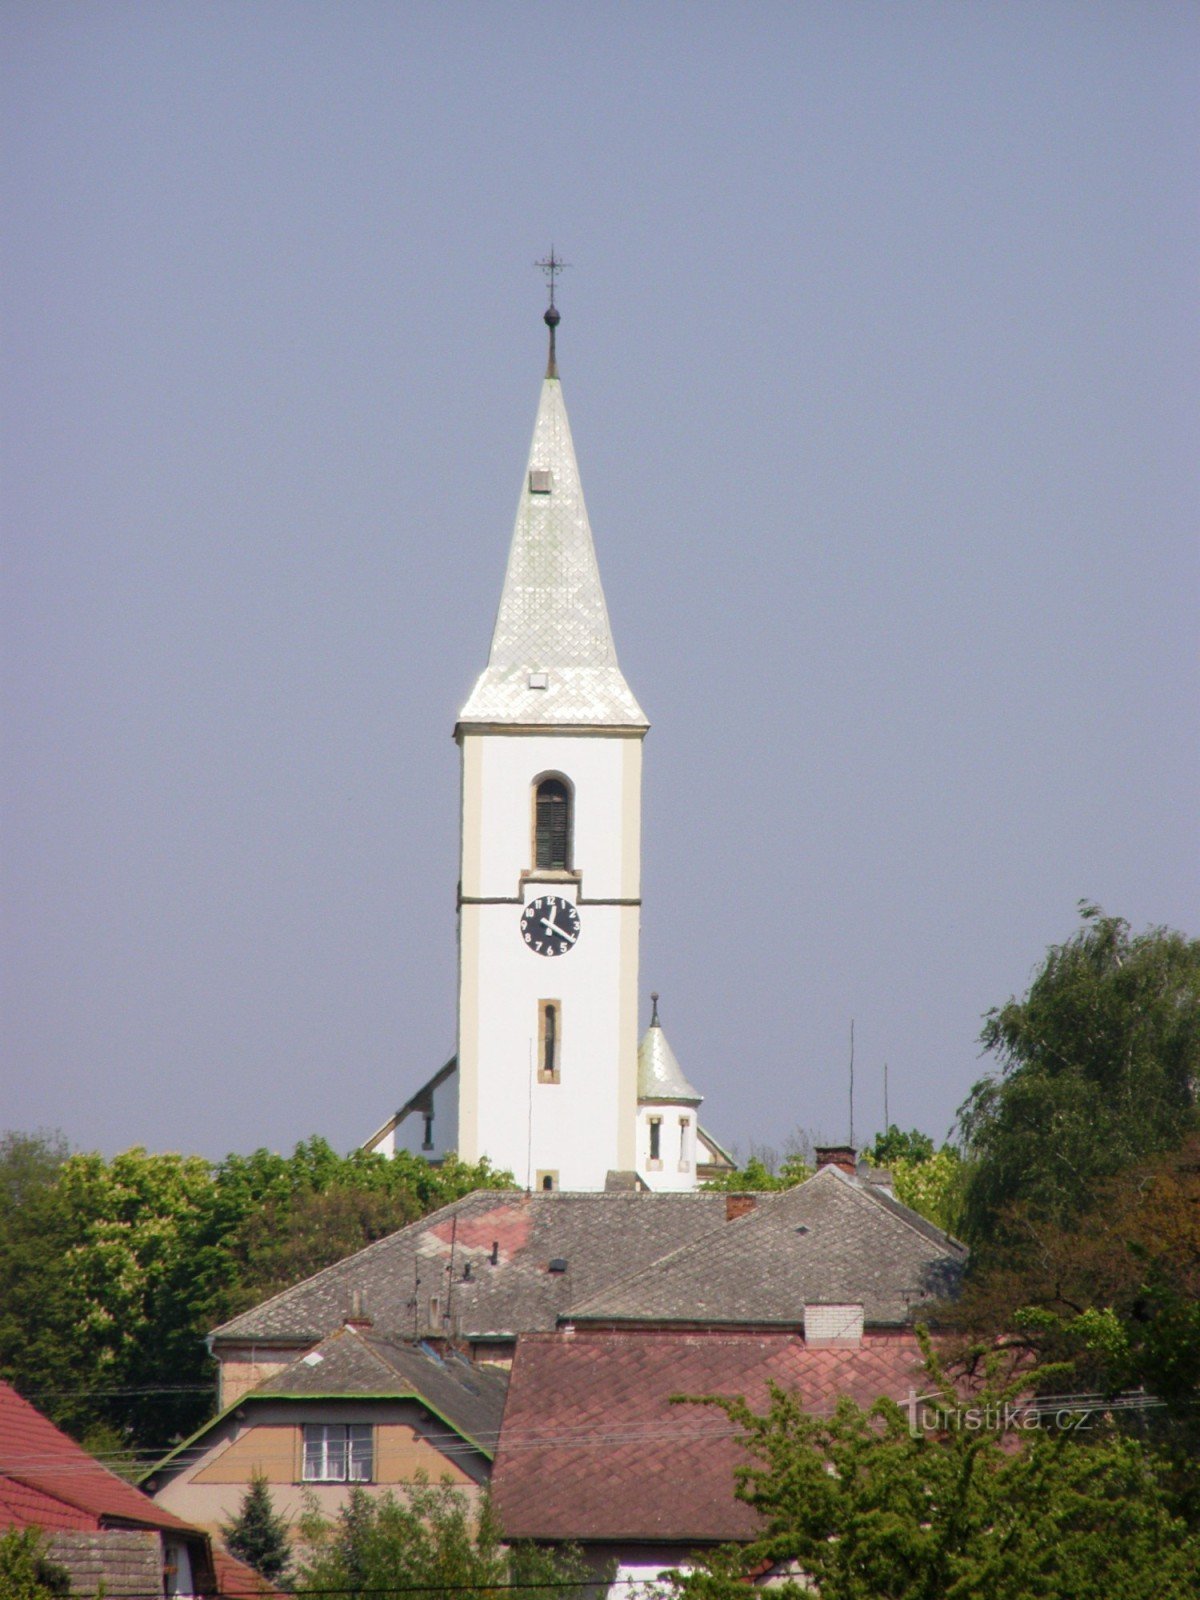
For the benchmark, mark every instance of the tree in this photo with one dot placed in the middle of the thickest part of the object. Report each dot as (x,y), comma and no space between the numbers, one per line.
(26,1573)
(1115,1294)
(757,1176)
(1098,1069)
(928,1180)
(112,1271)
(863,1505)
(258,1535)
(434,1541)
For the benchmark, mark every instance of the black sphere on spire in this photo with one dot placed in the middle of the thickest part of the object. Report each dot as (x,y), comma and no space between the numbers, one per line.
(552,317)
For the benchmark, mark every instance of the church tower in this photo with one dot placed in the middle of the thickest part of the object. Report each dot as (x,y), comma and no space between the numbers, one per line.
(550,869)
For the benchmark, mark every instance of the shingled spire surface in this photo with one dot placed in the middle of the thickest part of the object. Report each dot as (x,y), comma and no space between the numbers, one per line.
(552,659)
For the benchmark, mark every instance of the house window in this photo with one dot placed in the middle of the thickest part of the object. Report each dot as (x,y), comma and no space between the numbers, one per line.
(552,825)
(656,1141)
(427,1141)
(338,1452)
(549,1040)
(548,1181)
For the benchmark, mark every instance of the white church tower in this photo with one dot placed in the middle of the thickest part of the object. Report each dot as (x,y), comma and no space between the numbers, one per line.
(550,869)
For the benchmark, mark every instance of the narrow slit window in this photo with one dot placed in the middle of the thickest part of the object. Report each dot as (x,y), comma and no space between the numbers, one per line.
(656,1138)
(552,825)
(549,1040)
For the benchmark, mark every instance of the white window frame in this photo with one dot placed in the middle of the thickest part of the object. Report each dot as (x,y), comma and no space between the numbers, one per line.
(338,1452)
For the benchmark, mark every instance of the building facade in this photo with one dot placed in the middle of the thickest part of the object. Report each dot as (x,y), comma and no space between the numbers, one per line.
(548,1080)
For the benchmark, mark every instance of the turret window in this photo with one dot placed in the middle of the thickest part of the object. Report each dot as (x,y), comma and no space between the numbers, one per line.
(552,825)
(655,1142)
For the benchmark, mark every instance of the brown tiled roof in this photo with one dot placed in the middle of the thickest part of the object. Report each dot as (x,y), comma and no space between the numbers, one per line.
(591,1447)
(601,1237)
(833,1239)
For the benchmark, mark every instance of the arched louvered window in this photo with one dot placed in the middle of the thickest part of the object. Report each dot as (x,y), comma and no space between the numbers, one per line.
(552,825)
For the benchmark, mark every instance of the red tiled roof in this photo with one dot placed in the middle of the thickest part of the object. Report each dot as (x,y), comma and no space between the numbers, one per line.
(237,1581)
(49,1481)
(591,1447)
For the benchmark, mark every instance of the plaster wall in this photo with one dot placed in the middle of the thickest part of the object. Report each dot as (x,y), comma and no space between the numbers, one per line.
(582,1126)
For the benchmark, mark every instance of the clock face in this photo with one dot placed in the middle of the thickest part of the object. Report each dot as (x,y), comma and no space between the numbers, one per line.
(550,926)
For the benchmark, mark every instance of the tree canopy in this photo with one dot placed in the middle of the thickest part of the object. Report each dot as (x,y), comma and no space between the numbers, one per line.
(258,1535)
(435,1541)
(1099,1065)
(112,1271)
(871,1505)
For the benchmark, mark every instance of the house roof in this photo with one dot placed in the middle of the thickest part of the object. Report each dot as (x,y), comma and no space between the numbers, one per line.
(49,1481)
(354,1364)
(660,1077)
(592,1447)
(446,1257)
(832,1239)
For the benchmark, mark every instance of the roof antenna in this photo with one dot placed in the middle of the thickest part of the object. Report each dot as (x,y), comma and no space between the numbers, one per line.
(654,1022)
(851,1082)
(552,266)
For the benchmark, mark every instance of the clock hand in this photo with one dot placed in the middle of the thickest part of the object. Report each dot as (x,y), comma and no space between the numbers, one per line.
(562,933)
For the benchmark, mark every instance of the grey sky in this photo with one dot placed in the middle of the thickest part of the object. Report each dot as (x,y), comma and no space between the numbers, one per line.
(880,349)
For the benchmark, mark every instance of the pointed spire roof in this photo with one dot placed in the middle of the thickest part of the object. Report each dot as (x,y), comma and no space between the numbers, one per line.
(552,659)
(660,1077)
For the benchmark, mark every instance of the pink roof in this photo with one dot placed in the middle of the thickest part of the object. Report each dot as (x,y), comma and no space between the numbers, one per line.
(591,1447)
(49,1481)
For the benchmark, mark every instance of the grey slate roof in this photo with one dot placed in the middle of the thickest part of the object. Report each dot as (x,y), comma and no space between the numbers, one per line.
(354,1362)
(120,1563)
(833,1239)
(601,1238)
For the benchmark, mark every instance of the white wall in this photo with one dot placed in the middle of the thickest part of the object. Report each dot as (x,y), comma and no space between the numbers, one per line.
(676,1167)
(582,1126)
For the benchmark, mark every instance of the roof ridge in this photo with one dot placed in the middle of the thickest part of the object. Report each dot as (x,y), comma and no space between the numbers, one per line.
(870,1194)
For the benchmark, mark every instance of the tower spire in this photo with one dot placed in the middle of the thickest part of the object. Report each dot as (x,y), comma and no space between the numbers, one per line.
(552,266)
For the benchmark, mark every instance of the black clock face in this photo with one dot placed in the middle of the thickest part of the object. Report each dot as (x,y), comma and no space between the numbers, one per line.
(550,926)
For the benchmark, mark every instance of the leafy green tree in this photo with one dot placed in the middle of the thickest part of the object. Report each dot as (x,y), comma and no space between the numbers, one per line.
(434,1540)
(258,1535)
(862,1505)
(111,1272)
(26,1572)
(758,1177)
(929,1180)
(913,1147)
(1115,1295)
(1098,1069)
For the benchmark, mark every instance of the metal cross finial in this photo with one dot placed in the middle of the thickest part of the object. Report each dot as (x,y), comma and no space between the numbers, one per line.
(654,1023)
(551,266)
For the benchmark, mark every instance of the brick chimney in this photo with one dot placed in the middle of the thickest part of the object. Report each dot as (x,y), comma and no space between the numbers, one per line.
(844,1156)
(737,1205)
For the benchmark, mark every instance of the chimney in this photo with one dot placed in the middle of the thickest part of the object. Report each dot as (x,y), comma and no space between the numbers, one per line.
(844,1156)
(737,1205)
(357,1316)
